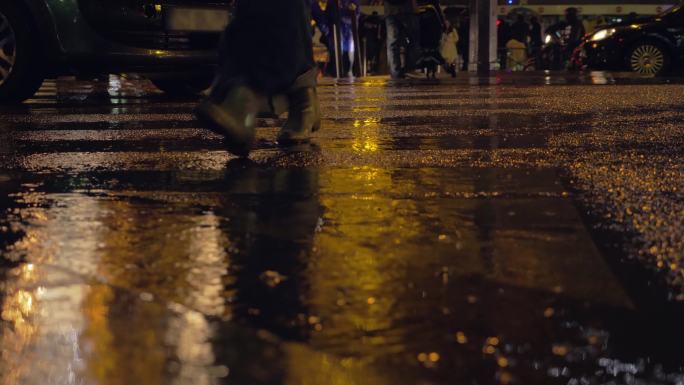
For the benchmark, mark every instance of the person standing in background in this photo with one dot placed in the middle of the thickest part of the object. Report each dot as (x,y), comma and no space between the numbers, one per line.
(536,42)
(449,49)
(574,29)
(324,19)
(464,39)
(503,36)
(517,45)
(520,30)
(570,32)
(320,16)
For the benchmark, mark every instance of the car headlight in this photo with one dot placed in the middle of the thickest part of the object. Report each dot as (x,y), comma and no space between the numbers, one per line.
(548,39)
(603,34)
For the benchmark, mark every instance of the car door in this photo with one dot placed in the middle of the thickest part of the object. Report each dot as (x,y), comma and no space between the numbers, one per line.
(675,27)
(123,15)
(158,24)
(137,23)
(196,16)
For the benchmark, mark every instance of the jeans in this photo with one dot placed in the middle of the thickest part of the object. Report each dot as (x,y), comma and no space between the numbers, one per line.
(268,44)
(403,31)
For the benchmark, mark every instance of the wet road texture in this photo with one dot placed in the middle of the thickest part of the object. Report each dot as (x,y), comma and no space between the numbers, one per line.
(502,230)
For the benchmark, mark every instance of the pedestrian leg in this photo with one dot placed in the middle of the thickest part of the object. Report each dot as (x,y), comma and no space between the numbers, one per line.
(266,51)
(394,45)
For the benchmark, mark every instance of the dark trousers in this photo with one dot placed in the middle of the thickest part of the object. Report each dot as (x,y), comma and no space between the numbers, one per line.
(373,54)
(403,32)
(268,44)
(536,53)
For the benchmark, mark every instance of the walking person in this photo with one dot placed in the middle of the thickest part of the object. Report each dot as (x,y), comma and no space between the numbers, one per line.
(266,51)
(323,17)
(372,32)
(350,11)
(320,49)
(517,45)
(449,49)
(403,34)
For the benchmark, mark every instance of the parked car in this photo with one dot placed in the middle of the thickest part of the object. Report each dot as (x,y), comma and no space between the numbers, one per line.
(174,42)
(650,46)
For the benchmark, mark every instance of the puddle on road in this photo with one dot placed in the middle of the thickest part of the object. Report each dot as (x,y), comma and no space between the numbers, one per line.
(362,275)
(359,271)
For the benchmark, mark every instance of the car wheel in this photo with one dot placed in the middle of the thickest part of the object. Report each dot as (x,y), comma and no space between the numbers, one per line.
(649,58)
(183,87)
(20,72)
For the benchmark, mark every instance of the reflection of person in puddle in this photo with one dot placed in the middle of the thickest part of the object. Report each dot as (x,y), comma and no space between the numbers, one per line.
(272,214)
(266,63)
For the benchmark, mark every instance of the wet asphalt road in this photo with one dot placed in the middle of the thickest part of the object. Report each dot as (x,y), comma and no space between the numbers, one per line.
(512,229)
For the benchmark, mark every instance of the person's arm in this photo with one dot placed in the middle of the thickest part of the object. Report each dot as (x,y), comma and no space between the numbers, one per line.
(440,13)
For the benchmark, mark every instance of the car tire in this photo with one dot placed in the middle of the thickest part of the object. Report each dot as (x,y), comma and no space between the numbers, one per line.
(177,87)
(21,73)
(648,58)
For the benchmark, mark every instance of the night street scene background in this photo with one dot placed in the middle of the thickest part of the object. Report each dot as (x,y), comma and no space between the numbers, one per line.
(521,222)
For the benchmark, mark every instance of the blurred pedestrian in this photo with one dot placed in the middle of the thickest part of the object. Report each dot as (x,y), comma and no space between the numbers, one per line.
(517,45)
(574,28)
(320,48)
(503,36)
(372,33)
(350,11)
(570,33)
(403,36)
(536,42)
(449,49)
(632,17)
(266,51)
(464,39)
(520,30)
(324,18)
(516,55)
(432,26)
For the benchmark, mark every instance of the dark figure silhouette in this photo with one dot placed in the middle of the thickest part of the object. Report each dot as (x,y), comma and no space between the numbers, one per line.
(536,42)
(520,30)
(403,35)
(569,32)
(266,52)
(373,32)
(503,36)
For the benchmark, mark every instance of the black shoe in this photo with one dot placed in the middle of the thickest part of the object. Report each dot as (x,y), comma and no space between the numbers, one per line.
(232,115)
(304,117)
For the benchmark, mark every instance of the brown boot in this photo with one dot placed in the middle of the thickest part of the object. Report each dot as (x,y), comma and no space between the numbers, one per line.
(232,113)
(304,117)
